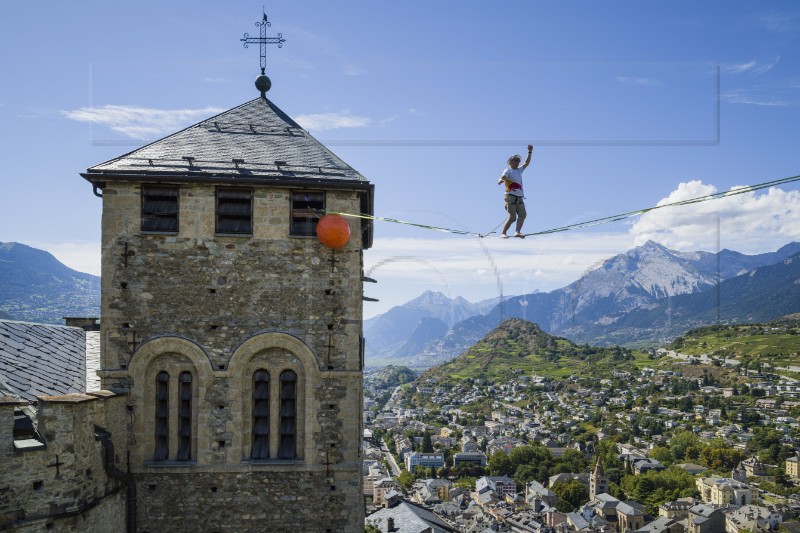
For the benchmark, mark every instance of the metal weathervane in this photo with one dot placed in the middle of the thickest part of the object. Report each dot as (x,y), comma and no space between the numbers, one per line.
(263,40)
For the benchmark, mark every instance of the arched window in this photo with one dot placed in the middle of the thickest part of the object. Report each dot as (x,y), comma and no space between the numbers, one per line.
(260,446)
(185,417)
(288,412)
(162,417)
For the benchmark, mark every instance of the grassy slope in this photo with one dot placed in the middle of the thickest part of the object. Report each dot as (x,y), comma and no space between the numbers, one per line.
(519,347)
(777,341)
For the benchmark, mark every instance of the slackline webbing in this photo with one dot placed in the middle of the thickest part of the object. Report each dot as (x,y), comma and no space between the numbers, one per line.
(588,223)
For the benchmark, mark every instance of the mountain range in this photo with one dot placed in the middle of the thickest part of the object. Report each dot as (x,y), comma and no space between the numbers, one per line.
(36,287)
(645,296)
(404,330)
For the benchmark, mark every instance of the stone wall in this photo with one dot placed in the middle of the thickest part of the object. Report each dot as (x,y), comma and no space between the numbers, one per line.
(219,307)
(65,486)
(220,290)
(266,500)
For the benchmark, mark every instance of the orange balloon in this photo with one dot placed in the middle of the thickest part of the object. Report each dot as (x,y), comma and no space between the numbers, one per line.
(333,231)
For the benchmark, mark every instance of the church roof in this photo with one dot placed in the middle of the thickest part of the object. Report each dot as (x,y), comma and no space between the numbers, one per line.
(254,143)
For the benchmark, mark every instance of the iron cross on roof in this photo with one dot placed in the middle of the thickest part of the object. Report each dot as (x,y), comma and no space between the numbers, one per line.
(263,40)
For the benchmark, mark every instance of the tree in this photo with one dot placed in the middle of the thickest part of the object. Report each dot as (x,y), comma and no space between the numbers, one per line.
(427,445)
(406,479)
(570,494)
(500,464)
(662,455)
(654,488)
(719,456)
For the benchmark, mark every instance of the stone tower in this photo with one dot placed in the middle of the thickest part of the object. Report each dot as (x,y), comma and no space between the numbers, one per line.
(598,481)
(234,333)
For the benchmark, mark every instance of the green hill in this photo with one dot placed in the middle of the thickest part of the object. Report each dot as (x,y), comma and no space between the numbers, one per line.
(776,342)
(520,347)
(36,287)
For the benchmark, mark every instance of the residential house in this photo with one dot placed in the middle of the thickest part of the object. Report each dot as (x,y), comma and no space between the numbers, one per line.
(535,490)
(499,485)
(630,516)
(381,487)
(705,519)
(793,467)
(752,518)
(677,509)
(723,491)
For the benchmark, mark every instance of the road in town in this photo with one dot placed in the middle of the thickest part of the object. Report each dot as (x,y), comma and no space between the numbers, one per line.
(390,459)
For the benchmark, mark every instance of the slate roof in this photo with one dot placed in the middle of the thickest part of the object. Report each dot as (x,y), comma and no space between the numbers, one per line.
(41,359)
(268,145)
(409,518)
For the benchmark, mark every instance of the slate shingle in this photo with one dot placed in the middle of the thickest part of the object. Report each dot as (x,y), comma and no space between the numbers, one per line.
(273,146)
(42,359)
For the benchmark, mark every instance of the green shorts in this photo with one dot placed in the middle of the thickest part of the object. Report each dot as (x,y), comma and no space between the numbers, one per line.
(515,206)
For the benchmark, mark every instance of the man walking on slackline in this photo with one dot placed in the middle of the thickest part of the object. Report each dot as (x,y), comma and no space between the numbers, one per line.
(515,205)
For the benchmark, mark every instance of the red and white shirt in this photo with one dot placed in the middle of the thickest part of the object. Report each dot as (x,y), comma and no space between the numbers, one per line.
(513,179)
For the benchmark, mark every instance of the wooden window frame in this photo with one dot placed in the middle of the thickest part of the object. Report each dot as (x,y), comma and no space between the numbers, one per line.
(306,207)
(233,196)
(260,434)
(185,394)
(161,429)
(154,217)
(287,430)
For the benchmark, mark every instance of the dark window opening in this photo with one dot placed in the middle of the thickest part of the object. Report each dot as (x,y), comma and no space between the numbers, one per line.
(162,417)
(260,448)
(235,211)
(185,417)
(307,208)
(160,209)
(288,413)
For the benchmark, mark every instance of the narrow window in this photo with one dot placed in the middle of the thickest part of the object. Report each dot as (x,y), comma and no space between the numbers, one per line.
(162,417)
(185,417)
(260,449)
(288,414)
(160,208)
(234,211)
(307,208)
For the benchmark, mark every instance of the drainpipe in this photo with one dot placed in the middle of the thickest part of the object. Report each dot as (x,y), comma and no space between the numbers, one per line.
(114,472)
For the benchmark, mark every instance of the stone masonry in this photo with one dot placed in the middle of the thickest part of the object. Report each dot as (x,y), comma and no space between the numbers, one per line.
(191,317)
(65,486)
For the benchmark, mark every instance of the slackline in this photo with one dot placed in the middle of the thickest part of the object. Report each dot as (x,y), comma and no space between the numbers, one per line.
(570,227)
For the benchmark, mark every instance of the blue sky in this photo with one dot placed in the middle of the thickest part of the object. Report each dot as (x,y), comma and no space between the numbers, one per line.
(628,104)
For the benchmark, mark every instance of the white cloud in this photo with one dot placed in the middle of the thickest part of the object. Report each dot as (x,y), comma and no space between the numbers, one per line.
(478,268)
(757,97)
(636,80)
(753,222)
(332,121)
(140,122)
(751,67)
(81,256)
(475,268)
